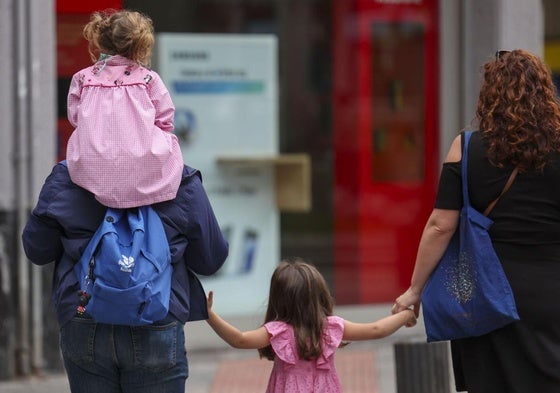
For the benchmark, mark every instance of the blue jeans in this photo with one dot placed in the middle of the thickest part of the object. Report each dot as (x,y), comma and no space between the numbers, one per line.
(101,358)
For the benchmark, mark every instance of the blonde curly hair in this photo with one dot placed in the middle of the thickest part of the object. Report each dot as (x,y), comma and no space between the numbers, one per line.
(125,33)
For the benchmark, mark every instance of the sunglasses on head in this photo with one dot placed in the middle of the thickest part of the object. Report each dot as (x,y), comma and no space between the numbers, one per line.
(500,53)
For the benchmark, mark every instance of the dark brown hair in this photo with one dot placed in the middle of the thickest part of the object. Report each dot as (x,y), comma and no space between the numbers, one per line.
(300,297)
(518,110)
(126,33)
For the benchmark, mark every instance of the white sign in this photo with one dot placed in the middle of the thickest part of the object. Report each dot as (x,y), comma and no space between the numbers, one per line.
(225,92)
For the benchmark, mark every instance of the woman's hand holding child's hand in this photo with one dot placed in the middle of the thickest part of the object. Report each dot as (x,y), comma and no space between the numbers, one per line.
(412,317)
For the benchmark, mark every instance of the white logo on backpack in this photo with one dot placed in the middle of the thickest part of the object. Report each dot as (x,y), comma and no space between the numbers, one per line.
(126,263)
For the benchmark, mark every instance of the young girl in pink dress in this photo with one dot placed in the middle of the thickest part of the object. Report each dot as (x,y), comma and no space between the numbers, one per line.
(300,334)
(122,149)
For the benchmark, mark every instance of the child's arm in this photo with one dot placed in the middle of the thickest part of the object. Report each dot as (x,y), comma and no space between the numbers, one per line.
(384,327)
(161,99)
(73,99)
(253,339)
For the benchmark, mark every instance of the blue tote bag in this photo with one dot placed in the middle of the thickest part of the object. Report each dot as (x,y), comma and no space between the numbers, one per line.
(468,293)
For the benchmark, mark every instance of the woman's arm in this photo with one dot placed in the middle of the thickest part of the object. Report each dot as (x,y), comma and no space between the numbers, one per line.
(439,230)
(436,236)
(253,339)
(384,327)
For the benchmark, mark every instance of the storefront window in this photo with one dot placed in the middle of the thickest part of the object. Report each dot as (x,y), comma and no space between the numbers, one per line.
(303,29)
(357,92)
(397,59)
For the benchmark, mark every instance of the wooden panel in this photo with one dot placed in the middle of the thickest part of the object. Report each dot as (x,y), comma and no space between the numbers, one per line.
(292,173)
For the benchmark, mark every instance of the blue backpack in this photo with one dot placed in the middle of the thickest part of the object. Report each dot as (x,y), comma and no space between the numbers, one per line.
(125,270)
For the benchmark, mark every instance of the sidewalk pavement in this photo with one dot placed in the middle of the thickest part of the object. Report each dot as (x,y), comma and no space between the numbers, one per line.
(363,367)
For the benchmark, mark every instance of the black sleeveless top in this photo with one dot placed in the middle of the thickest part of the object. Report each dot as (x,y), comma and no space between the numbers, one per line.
(526,236)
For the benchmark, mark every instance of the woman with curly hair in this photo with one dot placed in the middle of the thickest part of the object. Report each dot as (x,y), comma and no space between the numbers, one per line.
(518,117)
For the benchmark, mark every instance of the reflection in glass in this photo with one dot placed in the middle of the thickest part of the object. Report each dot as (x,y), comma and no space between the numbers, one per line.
(398,105)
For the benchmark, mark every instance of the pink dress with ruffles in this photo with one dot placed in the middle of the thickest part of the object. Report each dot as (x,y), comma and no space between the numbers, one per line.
(123,149)
(290,374)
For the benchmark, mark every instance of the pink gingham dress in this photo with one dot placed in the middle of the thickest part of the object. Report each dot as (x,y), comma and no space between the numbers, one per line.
(293,375)
(123,149)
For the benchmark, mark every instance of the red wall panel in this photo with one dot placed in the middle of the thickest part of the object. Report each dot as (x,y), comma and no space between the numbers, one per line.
(385,101)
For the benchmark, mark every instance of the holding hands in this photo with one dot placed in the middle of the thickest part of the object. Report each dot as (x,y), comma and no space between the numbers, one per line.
(405,301)
(411,317)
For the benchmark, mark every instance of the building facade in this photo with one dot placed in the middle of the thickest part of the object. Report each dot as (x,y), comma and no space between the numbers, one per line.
(371,91)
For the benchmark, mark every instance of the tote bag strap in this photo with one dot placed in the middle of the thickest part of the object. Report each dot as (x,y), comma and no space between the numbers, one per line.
(464,177)
(464,160)
(506,187)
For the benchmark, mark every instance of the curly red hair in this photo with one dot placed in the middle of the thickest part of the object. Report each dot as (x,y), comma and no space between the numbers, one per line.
(518,110)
